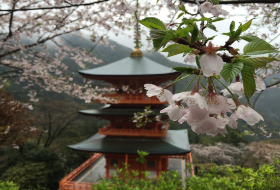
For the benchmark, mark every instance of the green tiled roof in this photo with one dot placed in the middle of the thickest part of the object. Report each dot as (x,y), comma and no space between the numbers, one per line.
(130,66)
(107,110)
(175,142)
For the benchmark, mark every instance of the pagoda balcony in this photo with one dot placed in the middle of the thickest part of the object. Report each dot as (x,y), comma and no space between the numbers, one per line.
(135,132)
(130,98)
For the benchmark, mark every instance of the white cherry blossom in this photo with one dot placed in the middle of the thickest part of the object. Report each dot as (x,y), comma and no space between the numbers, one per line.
(174,110)
(190,58)
(191,98)
(247,114)
(162,94)
(231,103)
(217,104)
(260,85)
(194,115)
(210,126)
(236,88)
(227,121)
(211,64)
(153,90)
(205,7)
(217,11)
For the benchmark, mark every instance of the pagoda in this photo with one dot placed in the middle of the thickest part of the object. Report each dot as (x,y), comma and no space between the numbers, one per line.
(121,139)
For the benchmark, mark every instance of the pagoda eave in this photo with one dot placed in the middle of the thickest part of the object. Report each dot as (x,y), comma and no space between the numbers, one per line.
(171,144)
(115,112)
(124,79)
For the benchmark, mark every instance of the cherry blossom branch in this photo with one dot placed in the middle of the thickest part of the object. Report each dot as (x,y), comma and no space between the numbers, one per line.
(54,7)
(238,2)
(190,83)
(202,27)
(232,95)
(267,86)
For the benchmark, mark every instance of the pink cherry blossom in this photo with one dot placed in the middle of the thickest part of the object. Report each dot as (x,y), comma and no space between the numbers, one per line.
(190,58)
(205,7)
(247,114)
(162,94)
(231,103)
(175,111)
(217,11)
(210,126)
(236,88)
(227,121)
(153,90)
(194,115)
(191,98)
(211,64)
(217,104)
(260,85)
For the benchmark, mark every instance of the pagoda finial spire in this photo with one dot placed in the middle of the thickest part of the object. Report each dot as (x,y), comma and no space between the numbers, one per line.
(137,52)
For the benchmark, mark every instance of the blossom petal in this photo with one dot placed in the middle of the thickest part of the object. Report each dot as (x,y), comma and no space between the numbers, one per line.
(211,64)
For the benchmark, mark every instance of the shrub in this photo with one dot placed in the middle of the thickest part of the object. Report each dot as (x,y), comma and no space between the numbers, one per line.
(8,185)
(216,178)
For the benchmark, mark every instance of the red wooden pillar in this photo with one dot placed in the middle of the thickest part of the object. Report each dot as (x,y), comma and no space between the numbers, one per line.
(159,169)
(126,159)
(107,166)
(186,160)
(190,157)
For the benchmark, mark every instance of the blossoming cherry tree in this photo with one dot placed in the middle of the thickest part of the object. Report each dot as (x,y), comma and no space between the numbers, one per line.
(211,111)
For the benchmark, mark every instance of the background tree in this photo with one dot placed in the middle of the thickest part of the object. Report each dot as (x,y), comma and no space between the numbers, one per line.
(15,126)
(28,28)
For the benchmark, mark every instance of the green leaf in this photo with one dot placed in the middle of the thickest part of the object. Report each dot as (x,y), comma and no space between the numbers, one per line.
(180,33)
(181,14)
(250,38)
(175,49)
(157,43)
(204,19)
(248,82)
(258,47)
(218,19)
(197,61)
(161,42)
(211,38)
(188,22)
(194,33)
(186,70)
(257,62)
(182,8)
(211,26)
(246,25)
(232,26)
(215,2)
(157,33)
(237,32)
(230,71)
(152,23)
(227,34)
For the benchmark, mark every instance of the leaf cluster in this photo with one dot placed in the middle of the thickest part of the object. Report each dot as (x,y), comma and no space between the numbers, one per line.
(224,178)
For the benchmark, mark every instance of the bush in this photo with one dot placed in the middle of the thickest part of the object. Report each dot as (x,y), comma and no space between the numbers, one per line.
(215,178)
(8,185)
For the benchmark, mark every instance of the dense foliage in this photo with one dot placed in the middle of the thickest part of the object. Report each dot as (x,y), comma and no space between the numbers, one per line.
(218,178)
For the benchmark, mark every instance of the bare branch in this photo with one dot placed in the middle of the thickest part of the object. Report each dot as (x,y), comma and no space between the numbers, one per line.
(54,7)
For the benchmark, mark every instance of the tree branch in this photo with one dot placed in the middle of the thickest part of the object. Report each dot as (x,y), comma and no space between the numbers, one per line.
(54,7)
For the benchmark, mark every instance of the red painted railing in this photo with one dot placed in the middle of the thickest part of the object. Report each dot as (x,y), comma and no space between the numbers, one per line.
(130,98)
(67,184)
